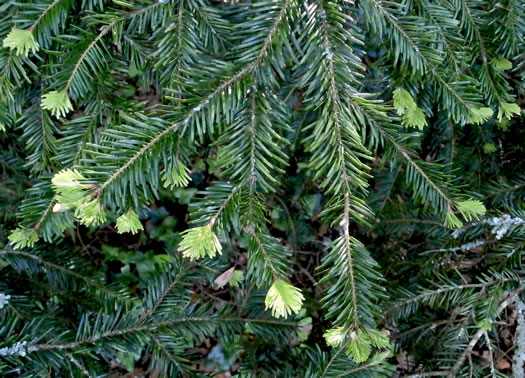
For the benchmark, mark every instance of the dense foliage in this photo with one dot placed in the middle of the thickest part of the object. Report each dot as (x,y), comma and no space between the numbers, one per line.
(274,188)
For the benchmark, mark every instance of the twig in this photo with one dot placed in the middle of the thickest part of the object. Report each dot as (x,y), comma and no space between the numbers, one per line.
(474,340)
(519,341)
(77,364)
(491,354)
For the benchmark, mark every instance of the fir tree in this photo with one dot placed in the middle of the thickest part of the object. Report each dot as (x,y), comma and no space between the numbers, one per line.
(339,168)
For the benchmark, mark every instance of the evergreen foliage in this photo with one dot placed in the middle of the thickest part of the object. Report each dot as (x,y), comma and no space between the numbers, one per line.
(318,188)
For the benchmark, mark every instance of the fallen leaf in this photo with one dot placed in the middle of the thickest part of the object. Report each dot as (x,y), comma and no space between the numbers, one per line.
(503,364)
(405,362)
(224,278)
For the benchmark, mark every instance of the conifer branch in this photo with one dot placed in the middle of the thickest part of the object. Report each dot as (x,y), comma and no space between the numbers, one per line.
(252,179)
(180,27)
(468,18)
(143,10)
(448,201)
(166,353)
(44,13)
(446,289)
(154,327)
(78,153)
(461,114)
(269,39)
(46,212)
(203,103)
(334,94)
(390,189)
(77,364)
(334,356)
(451,54)
(414,221)
(269,262)
(361,367)
(506,189)
(89,281)
(475,338)
(161,104)
(163,295)
(349,259)
(160,299)
(412,163)
(226,202)
(80,61)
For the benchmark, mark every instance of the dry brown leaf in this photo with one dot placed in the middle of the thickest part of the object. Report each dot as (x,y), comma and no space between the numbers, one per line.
(503,364)
(224,278)
(405,362)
